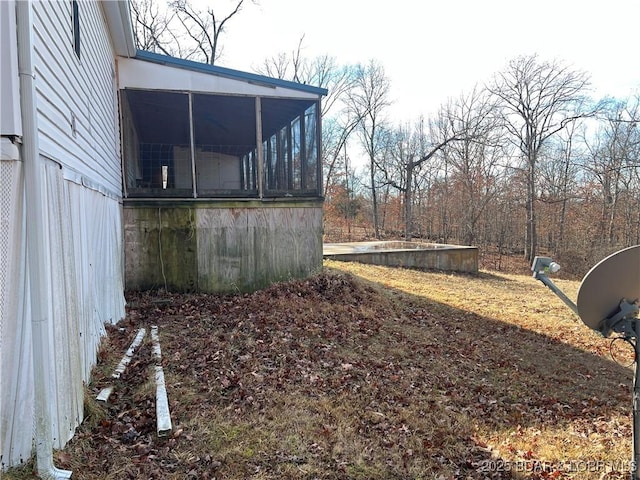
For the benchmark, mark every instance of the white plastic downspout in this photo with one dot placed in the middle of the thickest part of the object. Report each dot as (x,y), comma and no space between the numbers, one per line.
(36,248)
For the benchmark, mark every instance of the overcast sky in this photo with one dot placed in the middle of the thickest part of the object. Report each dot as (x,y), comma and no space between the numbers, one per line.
(435,49)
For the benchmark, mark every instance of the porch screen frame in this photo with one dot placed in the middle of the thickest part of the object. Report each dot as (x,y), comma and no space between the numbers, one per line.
(251,166)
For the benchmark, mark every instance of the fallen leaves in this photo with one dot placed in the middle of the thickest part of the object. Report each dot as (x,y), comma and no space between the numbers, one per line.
(335,377)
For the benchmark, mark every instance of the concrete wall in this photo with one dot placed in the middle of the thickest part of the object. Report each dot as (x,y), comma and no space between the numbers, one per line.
(439,257)
(220,246)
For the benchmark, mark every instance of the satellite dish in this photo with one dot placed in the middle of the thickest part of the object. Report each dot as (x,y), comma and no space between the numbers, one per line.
(609,301)
(603,288)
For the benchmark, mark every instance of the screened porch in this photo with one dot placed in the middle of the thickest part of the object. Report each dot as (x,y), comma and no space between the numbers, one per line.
(187,145)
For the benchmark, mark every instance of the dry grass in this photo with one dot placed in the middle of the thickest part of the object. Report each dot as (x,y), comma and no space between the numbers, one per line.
(364,372)
(591,441)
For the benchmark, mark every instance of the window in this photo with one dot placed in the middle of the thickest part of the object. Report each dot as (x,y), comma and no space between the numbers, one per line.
(75,16)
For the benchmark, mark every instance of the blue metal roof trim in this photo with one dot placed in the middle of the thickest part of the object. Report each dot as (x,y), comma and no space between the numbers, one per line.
(226,72)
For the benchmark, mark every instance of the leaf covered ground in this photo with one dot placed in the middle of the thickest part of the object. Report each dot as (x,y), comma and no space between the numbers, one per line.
(361,372)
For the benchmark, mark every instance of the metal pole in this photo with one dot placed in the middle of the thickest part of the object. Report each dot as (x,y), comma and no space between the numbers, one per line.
(635,475)
(259,151)
(552,286)
(192,147)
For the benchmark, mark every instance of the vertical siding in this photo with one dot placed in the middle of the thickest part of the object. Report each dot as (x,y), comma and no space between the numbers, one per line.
(83,87)
(16,371)
(87,289)
(84,275)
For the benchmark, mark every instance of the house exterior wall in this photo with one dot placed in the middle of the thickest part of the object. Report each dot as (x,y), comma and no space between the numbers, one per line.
(16,374)
(77,91)
(221,246)
(9,86)
(213,170)
(81,189)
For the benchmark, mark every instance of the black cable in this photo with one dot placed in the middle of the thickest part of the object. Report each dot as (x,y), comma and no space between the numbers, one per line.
(630,342)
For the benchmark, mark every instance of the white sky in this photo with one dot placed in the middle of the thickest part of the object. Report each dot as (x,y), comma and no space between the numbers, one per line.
(435,49)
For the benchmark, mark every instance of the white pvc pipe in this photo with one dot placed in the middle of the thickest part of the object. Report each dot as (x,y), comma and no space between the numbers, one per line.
(163,417)
(155,342)
(129,353)
(106,392)
(36,248)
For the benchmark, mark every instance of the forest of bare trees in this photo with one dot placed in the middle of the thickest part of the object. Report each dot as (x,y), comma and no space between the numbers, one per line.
(527,162)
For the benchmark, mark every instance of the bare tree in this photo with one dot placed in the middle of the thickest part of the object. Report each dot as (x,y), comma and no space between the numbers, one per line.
(322,71)
(473,157)
(285,66)
(538,99)
(413,150)
(368,101)
(335,135)
(178,28)
(339,121)
(152,27)
(614,164)
(203,27)
(403,148)
(277,66)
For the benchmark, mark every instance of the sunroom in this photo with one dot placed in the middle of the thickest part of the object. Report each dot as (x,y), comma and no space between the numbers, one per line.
(221,176)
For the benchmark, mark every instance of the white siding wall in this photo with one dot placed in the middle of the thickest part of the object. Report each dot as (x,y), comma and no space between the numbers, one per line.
(217,171)
(84,277)
(16,371)
(10,85)
(84,88)
(81,185)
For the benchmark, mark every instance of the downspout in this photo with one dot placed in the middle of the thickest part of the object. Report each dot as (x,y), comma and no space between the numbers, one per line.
(36,247)
(259,150)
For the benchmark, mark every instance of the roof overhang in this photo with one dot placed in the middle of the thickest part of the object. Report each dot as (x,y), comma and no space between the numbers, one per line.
(160,72)
(118,18)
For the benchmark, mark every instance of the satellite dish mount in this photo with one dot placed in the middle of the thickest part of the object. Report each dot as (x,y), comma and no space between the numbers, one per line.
(608,300)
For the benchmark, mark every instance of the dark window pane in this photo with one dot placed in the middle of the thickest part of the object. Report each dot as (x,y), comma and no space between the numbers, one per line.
(76,26)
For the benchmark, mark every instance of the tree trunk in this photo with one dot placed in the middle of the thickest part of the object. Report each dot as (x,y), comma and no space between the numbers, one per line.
(560,247)
(531,244)
(374,195)
(408,200)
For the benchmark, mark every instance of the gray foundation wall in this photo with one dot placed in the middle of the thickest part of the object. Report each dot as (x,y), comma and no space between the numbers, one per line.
(221,247)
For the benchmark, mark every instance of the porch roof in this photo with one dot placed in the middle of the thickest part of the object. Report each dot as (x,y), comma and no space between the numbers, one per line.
(152,71)
(227,72)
